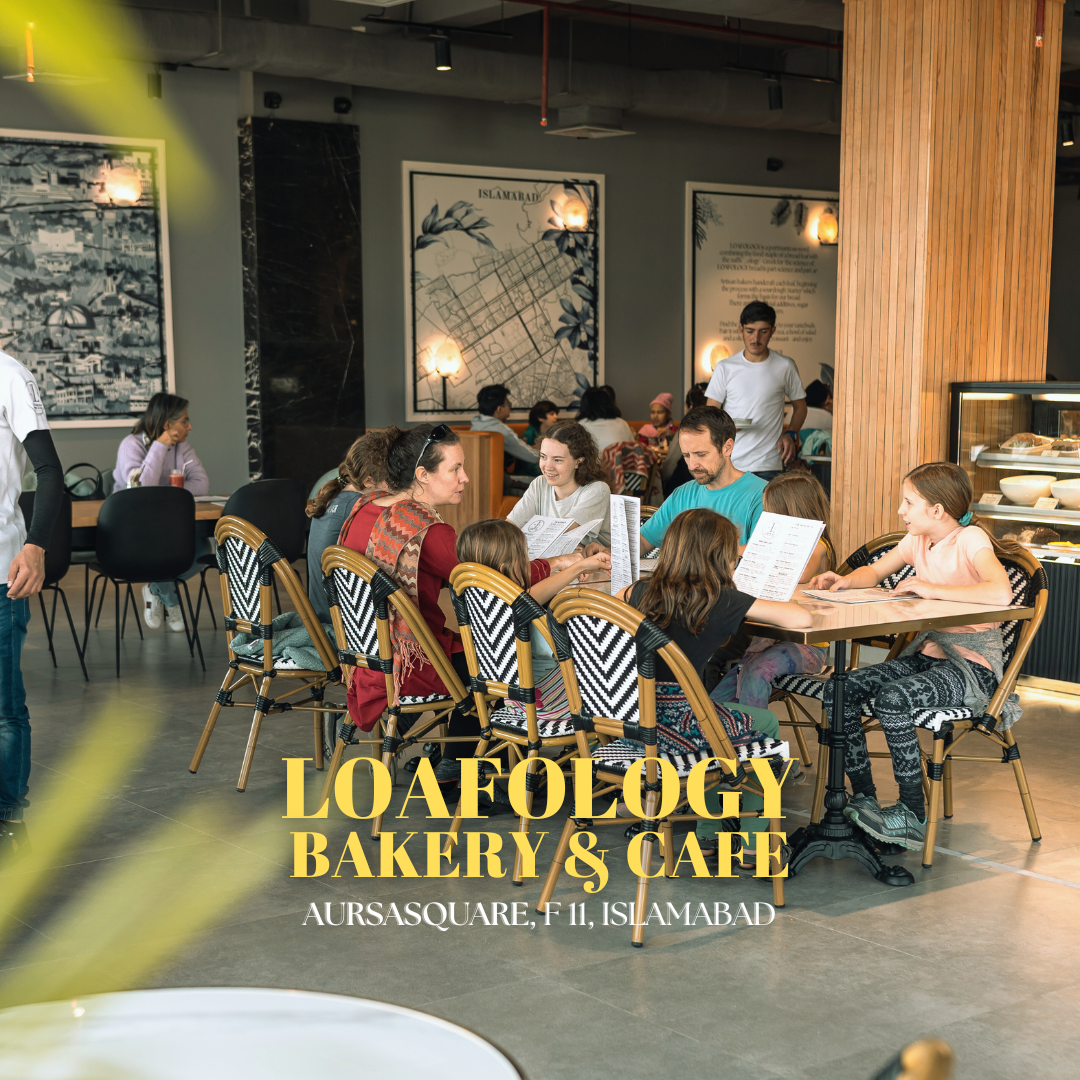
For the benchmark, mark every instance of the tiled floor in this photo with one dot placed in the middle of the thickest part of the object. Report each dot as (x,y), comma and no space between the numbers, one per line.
(179,880)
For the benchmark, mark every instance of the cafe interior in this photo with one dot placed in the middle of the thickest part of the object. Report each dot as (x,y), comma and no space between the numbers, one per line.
(259,256)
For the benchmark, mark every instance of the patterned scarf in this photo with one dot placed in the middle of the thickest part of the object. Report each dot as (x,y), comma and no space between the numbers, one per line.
(394,546)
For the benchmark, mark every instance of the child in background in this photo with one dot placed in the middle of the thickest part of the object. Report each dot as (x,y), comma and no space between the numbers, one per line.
(954,559)
(659,432)
(793,494)
(501,546)
(541,416)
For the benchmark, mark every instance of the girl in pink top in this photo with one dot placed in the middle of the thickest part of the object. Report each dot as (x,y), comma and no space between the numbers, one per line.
(954,558)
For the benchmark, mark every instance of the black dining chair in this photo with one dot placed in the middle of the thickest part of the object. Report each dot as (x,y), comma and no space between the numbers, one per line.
(57,564)
(146,534)
(276,508)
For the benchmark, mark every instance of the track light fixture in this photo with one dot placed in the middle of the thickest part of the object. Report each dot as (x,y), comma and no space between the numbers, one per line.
(776,96)
(442,52)
(1065,127)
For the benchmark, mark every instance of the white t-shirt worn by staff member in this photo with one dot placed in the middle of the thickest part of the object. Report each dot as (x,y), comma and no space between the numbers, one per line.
(21,411)
(756,392)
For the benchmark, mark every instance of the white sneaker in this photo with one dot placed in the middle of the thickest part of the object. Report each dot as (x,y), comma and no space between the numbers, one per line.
(151,608)
(174,619)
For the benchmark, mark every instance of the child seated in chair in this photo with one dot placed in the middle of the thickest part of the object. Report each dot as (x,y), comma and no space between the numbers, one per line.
(692,597)
(501,546)
(954,559)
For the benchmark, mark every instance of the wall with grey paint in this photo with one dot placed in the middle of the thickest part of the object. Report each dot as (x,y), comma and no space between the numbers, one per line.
(646,175)
(1063,347)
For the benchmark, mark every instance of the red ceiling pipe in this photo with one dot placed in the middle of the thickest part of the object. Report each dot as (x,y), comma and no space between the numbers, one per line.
(544,74)
(660,20)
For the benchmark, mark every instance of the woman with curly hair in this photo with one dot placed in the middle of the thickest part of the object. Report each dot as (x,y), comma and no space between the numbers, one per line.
(572,483)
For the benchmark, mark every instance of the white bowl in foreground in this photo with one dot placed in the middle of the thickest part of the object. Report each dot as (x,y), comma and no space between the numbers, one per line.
(1024,490)
(1067,492)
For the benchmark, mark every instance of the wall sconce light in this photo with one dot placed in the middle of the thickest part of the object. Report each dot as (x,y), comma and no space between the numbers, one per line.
(123,186)
(828,228)
(1065,127)
(153,84)
(342,105)
(776,96)
(442,52)
(447,363)
(715,355)
(271,100)
(575,215)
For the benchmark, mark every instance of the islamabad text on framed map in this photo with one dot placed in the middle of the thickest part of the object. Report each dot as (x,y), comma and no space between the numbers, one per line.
(84,272)
(503,284)
(757,243)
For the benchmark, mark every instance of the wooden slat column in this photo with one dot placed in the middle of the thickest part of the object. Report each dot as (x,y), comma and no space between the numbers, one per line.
(946,191)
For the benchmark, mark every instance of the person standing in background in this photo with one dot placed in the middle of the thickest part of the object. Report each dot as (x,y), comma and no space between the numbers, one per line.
(156,452)
(754,384)
(22,569)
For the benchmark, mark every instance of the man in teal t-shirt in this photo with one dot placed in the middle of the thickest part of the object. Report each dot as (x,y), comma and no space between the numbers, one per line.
(707,438)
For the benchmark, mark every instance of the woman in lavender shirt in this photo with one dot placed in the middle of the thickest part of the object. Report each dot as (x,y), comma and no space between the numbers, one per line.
(156,447)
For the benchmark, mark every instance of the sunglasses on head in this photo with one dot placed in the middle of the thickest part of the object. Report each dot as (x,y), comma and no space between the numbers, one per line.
(438,433)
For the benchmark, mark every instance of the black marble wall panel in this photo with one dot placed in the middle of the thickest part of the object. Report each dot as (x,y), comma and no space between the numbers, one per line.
(303,327)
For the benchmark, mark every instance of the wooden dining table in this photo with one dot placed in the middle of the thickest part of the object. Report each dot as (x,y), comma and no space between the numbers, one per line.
(835,837)
(84,512)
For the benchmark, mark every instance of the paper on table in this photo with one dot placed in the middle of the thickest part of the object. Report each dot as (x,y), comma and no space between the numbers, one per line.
(569,540)
(625,541)
(212,498)
(776,556)
(541,531)
(855,596)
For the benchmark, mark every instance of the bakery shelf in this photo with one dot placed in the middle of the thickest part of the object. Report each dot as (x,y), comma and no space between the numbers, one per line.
(1032,463)
(1010,512)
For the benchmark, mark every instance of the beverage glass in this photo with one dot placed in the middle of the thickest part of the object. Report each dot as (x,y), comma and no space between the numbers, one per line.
(176,478)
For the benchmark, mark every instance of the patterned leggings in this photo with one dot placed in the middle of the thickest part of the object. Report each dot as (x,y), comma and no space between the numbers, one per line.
(897,688)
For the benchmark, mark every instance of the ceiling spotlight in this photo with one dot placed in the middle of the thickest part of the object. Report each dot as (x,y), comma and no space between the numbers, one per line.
(342,105)
(776,96)
(1065,127)
(271,100)
(442,52)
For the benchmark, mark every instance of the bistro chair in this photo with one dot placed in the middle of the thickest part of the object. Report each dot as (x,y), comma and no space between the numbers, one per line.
(57,564)
(607,653)
(633,468)
(789,688)
(647,512)
(145,534)
(496,617)
(359,593)
(951,726)
(247,565)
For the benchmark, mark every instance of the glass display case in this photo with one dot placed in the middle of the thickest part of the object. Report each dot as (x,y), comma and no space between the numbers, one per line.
(1020,444)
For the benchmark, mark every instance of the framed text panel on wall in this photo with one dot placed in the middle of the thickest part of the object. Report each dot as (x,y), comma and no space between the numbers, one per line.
(84,272)
(758,243)
(504,283)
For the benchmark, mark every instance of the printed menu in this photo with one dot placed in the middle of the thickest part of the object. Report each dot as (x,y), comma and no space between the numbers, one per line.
(776,556)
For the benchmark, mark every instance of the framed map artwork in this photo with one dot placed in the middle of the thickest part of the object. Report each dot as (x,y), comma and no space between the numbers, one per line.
(84,272)
(504,283)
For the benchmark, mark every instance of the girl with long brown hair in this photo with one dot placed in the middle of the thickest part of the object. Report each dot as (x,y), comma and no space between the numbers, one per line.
(793,494)
(572,484)
(954,559)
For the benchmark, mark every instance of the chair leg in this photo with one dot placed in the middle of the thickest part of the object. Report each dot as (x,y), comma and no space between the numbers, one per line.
(387,758)
(101,604)
(523,824)
(193,637)
(455,824)
(819,780)
(48,625)
(804,752)
(253,738)
(116,590)
(335,764)
(556,865)
(319,763)
(777,882)
(88,604)
(934,773)
(1012,754)
(211,720)
(209,605)
(641,902)
(74,632)
(946,780)
(667,839)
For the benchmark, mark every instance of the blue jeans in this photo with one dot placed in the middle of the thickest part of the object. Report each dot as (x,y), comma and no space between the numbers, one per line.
(14,716)
(166,590)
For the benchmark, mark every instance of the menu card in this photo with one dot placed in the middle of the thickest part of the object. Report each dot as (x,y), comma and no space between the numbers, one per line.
(547,537)
(776,556)
(625,541)
(873,595)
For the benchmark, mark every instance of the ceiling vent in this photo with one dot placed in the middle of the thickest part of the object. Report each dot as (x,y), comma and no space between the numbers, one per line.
(589,122)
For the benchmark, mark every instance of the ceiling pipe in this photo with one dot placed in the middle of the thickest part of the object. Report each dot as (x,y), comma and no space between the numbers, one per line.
(544,70)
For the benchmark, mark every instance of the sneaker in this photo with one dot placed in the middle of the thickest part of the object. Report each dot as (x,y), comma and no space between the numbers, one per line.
(448,772)
(857,802)
(893,825)
(174,619)
(14,844)
(152,607)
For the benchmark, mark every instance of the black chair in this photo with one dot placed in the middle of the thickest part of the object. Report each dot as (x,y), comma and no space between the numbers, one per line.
(84,538)
(146,534)
(57,564)
(276,508)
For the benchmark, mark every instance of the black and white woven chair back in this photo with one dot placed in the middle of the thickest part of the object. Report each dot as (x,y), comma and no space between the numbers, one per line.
(246,569)
(863,558)
(491,620)
(360,604)
(1025,587)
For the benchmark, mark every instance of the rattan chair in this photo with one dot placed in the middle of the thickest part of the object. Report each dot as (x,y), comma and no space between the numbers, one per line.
(607,652)
(952,725)
(496,617)
(358,593)
(789,688)
(248,564)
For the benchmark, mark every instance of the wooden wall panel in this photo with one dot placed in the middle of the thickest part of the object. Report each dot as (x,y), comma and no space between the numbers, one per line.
(946,186)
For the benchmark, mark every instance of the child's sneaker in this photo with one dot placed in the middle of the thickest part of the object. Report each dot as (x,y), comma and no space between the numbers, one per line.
(857,802)
(892,825)
(174,619)
(152,607)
